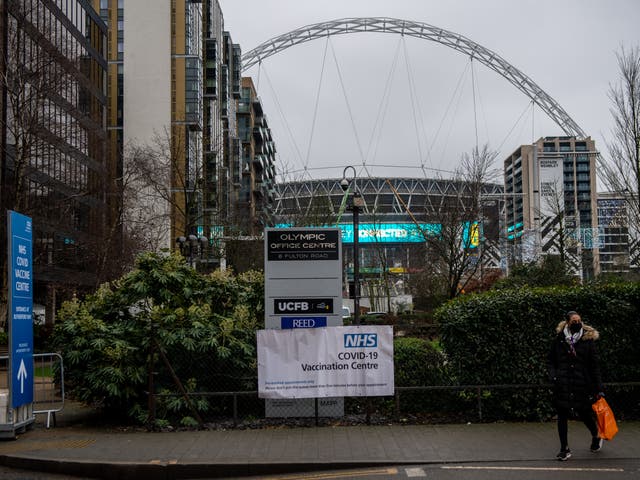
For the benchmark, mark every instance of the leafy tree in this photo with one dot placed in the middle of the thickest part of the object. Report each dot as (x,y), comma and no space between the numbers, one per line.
(163,308)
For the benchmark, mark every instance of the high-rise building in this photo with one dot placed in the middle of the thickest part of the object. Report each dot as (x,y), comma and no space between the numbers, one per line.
(550,203)
(155,112)
(174,81)
(53,142)
(256,201)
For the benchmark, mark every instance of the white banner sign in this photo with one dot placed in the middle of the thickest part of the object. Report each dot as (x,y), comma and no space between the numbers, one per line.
(326,362)
(551,187)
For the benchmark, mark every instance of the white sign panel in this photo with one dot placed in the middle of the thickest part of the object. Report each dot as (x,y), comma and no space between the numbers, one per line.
(303,277)
(326,362)
(551,186)
(303,290)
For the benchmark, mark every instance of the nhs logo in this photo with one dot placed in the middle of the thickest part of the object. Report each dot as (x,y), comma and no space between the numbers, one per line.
(360,340)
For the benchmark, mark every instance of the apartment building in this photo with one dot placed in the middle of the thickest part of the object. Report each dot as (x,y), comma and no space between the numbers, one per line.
(257,192)
(619,240)
(174,86)
(550,203)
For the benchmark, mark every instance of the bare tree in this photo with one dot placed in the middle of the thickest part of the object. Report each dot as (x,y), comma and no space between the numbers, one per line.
(451,246)
(621,171)
(163,190)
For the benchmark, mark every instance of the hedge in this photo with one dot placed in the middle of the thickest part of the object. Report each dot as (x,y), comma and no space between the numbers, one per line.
(502,337)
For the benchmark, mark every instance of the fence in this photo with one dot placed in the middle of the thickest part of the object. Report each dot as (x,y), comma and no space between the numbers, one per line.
(48,383)
(425,404)
(194,388)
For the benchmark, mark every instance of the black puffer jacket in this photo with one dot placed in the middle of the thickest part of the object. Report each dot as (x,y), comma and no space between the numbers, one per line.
(576,378)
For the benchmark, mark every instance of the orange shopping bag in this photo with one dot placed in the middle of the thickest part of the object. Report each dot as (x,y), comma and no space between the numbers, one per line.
(607,427)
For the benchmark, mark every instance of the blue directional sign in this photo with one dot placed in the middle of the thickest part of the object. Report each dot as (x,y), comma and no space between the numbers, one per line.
(20,308)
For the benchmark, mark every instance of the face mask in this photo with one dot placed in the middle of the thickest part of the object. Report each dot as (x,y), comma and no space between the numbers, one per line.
(575,327)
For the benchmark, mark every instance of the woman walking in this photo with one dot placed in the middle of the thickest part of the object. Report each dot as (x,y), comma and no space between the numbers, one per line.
(575,372)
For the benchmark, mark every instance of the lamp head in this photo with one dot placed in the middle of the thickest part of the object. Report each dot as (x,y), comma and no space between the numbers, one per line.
(344,184)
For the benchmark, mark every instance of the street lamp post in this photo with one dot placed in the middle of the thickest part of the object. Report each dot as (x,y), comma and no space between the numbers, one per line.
(191,247)
(356,203)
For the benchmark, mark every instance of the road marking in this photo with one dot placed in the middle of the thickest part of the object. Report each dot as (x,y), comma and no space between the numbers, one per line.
(415,472)
(348,474)
(540,469)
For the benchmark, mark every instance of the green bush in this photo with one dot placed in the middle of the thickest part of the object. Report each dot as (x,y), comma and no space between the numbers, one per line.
(203,324)
(418,362)
(502,337)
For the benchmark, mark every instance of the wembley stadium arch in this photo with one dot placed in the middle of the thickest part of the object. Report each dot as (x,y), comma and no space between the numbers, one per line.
(391,203)
(424,31)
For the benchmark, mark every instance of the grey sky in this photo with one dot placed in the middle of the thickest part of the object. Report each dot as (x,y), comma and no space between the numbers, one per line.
(566,46)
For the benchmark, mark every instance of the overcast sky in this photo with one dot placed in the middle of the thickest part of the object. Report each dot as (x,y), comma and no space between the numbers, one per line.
(398,104)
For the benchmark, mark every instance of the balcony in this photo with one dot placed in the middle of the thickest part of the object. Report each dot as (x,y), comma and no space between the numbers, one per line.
(257,107)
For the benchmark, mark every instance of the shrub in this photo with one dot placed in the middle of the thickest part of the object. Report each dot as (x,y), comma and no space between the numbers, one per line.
(199,323)
(502,337)
(417,363)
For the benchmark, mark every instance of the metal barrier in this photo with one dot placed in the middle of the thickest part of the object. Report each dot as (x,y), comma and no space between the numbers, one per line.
(48,383)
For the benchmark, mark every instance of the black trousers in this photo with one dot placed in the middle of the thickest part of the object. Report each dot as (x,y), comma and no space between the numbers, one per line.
(585,414)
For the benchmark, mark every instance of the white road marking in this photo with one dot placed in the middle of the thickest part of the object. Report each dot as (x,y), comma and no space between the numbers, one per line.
(540,469)
(415,472)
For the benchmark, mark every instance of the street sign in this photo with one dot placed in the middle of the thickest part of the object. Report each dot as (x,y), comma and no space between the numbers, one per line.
(300,245)
(303,274)
(303,290)
(20,308)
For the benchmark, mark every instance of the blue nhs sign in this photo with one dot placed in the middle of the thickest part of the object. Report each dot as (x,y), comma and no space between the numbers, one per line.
(20,277)
(360,340)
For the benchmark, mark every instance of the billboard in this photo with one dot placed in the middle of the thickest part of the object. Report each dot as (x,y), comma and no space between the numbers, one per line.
(335,362)
(551,177)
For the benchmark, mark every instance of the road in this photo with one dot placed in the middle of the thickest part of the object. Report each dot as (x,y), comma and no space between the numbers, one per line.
(551,470)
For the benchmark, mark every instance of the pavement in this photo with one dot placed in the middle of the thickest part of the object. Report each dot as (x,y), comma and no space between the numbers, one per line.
(79,446)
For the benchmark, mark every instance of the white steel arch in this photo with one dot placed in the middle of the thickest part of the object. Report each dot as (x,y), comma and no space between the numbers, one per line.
(428,32)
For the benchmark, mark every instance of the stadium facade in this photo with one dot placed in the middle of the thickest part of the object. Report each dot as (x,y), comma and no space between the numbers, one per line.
(396,213)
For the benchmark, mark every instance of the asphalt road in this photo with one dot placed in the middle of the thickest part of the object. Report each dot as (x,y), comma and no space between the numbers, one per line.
(552,470)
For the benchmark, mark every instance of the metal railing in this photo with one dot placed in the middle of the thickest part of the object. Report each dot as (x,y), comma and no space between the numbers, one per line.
(435,403)
(48,383)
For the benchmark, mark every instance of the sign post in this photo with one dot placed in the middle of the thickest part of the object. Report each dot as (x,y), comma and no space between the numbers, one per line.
(303,289)
(19,412)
